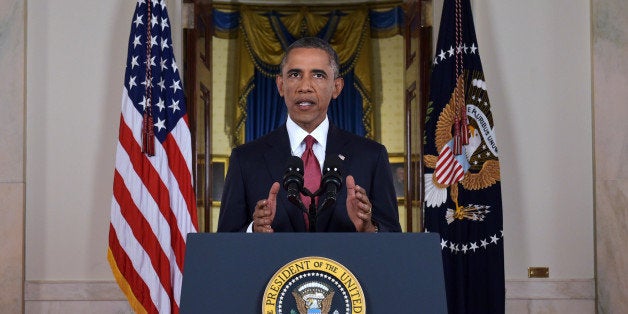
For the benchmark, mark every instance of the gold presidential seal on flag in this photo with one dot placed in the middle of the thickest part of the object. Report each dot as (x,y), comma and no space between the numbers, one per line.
(313,285)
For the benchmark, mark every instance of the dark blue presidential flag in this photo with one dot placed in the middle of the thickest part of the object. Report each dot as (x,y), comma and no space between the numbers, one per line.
(462,176)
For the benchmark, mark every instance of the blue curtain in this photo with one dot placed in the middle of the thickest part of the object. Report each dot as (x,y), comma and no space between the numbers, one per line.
(346,111)
(386,20)
(266,110)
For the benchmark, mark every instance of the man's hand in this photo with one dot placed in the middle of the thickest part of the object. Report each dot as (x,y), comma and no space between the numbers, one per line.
(265,211)
(359,207)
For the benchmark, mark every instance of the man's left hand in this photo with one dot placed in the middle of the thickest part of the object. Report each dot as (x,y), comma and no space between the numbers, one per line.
(359,207)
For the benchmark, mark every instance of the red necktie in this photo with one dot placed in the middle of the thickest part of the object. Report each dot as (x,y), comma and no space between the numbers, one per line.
(312,174)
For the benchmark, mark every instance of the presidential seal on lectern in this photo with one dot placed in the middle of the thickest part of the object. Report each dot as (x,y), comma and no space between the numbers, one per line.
(313,285)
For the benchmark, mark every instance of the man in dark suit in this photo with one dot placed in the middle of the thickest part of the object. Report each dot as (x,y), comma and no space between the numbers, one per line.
(252,199)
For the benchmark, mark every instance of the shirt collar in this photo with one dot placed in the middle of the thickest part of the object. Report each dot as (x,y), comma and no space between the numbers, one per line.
(297,134)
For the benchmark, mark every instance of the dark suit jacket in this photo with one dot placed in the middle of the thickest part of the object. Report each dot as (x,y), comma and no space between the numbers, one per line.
(255,166)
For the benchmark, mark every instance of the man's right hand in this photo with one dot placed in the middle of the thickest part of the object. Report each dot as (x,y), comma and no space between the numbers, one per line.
(265,211)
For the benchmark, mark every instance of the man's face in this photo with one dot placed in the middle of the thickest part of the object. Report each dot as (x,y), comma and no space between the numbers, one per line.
(307,84)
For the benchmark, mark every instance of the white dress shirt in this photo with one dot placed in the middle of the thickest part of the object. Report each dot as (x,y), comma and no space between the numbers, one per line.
(297,139)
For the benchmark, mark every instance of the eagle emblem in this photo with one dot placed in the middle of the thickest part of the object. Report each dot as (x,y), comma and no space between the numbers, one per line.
(472,159)
(313,298)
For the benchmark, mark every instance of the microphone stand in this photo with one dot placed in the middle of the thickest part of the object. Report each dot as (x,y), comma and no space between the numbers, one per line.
(330,184)
(293,183)
(312,212)
(312,215)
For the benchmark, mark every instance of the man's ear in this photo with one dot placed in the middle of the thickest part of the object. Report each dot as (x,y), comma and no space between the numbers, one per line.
(279,81)
(339,83)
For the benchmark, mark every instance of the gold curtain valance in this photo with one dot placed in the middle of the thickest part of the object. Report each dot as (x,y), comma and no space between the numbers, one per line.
(265,41)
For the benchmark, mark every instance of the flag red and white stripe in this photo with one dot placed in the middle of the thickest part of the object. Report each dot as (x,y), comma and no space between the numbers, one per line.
(153,206)
(448,169)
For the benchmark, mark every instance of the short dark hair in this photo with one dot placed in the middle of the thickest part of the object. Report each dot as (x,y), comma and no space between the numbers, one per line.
(314,42)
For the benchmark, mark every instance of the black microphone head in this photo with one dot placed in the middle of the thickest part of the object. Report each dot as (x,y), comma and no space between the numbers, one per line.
(332,172)
(331,181)
(293,174)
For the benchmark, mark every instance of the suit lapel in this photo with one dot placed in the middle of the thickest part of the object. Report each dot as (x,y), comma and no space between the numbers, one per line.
(336,142)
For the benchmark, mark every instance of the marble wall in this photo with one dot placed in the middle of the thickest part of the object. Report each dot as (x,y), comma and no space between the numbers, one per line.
(12,53)
(610,107)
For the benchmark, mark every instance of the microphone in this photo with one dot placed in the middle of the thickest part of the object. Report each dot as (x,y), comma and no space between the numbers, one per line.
(332,180)
(293,180)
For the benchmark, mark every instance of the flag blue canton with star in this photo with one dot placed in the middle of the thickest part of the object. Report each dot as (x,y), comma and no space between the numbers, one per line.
(462,189)
(168,102)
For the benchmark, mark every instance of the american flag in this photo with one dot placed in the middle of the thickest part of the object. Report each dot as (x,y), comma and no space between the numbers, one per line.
(153,206)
